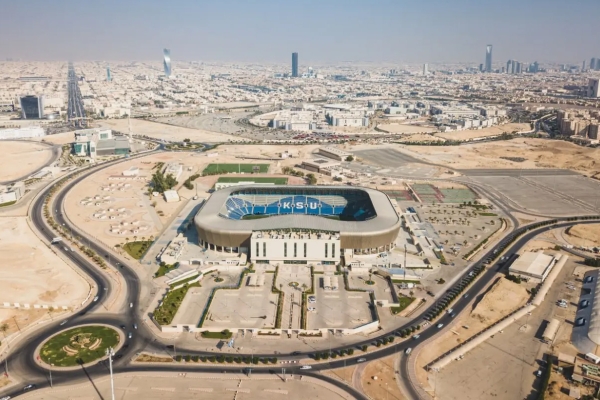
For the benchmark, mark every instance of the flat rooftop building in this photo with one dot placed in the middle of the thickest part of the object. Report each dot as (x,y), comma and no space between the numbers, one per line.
(535,266)
(335,153)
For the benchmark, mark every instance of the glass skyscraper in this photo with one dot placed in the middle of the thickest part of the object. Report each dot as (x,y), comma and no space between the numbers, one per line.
(488,58)
(32,107)
(167,62)
(294,65)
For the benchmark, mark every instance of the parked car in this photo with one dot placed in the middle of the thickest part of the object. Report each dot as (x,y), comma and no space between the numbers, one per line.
(130,335)
(580,321)
(29,387)
(415,337)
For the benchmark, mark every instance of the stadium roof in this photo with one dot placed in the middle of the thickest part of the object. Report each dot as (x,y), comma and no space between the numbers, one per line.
(384,225)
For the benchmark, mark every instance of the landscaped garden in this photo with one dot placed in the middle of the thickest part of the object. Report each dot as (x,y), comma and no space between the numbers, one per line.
(78,346)
(137,249)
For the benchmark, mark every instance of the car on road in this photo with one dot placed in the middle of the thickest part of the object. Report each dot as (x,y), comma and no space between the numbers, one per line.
(118,356)
(96,298)
(130,305)
(466,296)
(439,326)
(312,299)
(64,322)
(452,315)
(29,387)
(123,326)
(134,326)
(580,321)
(130,335)
(296,353)
(306,367)
(312,309)
(361,360)
(408,351)
(450,310)
(415,337)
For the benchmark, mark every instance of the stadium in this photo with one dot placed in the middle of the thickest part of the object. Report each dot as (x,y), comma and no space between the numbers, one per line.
(297,224)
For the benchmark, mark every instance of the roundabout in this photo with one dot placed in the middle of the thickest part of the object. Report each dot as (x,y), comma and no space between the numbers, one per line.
(79,346)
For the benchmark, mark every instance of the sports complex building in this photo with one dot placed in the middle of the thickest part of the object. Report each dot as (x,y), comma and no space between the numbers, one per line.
(297,224)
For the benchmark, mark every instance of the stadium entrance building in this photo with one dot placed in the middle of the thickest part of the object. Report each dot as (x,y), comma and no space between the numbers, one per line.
(297,224)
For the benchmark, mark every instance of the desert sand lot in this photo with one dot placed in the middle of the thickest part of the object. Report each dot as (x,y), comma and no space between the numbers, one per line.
(406,128)
(584,235)
(125,203)
(491,131)
(502,298)
(538,153)
(22,158)
(167,132)
(32,273)
(59,138)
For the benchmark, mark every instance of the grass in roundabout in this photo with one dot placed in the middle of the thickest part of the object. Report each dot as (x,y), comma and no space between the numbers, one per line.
(77,346)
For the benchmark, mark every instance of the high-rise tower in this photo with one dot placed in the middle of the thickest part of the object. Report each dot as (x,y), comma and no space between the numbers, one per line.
(167,62)
(108,75)
(425,69)
(294,65)
(488,58)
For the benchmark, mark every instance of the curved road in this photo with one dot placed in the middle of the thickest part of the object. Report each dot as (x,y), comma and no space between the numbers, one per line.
(22,355)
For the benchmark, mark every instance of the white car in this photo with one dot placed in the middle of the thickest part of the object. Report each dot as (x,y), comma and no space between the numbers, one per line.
(312,309)
(408,351)
(416,337)
(361,360)
(96,298)
(130,305)
(439,326)
(312,299)
(306,367)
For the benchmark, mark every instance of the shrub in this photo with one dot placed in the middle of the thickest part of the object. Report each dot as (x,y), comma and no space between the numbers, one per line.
(350,351)
(178,358)
(364,347)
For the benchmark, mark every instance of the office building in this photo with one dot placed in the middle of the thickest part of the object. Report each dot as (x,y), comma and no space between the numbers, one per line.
(592,64)
(592,90)
(99,142)
(488,58)
(425,69)
(480,67)
(583,66)
(32,107)
(294,65)
(108,75)
(508,66)
(167,62)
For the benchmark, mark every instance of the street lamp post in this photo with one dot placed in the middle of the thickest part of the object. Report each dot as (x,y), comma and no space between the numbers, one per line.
(110,353)
(51,365)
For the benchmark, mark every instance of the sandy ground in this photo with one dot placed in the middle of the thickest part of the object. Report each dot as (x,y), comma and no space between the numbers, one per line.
(344,374)
(32,273)
(167,132)
(406,128)
(584,235)
(59,138)
(538,153)
(379,380)
(137,210)
(501,299)
(22,158)
(491,131)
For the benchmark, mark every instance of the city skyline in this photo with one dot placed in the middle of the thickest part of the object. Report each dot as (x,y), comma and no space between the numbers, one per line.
(438,35)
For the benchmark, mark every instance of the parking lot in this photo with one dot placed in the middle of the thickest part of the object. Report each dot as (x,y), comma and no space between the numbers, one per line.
(559,194)
(246,307)
(395,163)
(339,308)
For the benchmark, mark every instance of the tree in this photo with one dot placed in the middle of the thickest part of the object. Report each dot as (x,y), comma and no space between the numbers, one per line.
(350,158)
(311,179)
(304,287)
(3,329)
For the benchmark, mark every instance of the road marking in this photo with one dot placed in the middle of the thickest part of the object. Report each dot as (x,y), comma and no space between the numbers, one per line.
(208,390)
(276,391)
(164,389)
(128,389)
(239,390)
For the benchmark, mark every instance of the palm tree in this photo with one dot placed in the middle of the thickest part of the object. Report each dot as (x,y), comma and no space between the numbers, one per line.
(304,287)
(4,328)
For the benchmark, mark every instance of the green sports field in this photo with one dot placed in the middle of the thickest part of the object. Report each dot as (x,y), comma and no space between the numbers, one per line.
(213,169)
(275,181)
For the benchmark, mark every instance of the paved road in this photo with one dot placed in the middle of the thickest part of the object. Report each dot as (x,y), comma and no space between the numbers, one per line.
(516,172)
(75,108)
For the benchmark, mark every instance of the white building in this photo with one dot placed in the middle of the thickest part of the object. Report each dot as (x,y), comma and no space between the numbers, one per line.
(22,133)
(171,196)
(533,266)
(174,169)
(299,247)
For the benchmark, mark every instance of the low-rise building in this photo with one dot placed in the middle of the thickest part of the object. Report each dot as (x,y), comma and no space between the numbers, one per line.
(533,266)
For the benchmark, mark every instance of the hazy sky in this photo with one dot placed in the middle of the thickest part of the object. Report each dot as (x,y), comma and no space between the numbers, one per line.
(320,30)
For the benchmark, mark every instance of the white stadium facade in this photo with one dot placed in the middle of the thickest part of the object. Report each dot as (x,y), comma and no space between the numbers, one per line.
(297,224)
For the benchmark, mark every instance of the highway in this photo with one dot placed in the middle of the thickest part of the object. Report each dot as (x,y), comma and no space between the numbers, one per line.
(75,109)
(22,362)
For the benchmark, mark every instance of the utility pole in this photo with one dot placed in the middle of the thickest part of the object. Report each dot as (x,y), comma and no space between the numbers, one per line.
(110,353)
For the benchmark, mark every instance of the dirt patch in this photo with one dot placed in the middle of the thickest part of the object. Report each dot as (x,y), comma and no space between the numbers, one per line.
(344,374)
(501,299)
(151,358)
(584,235)
(379,380)
(491,131)
(406,128)
(22,158)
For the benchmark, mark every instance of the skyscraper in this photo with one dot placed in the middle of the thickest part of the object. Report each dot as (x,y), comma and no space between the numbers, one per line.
(592,64)
(108,75)
(488,58)
(167,62)
(425,69)
(508,66)
(32,107)
(294,65)
(583,66)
